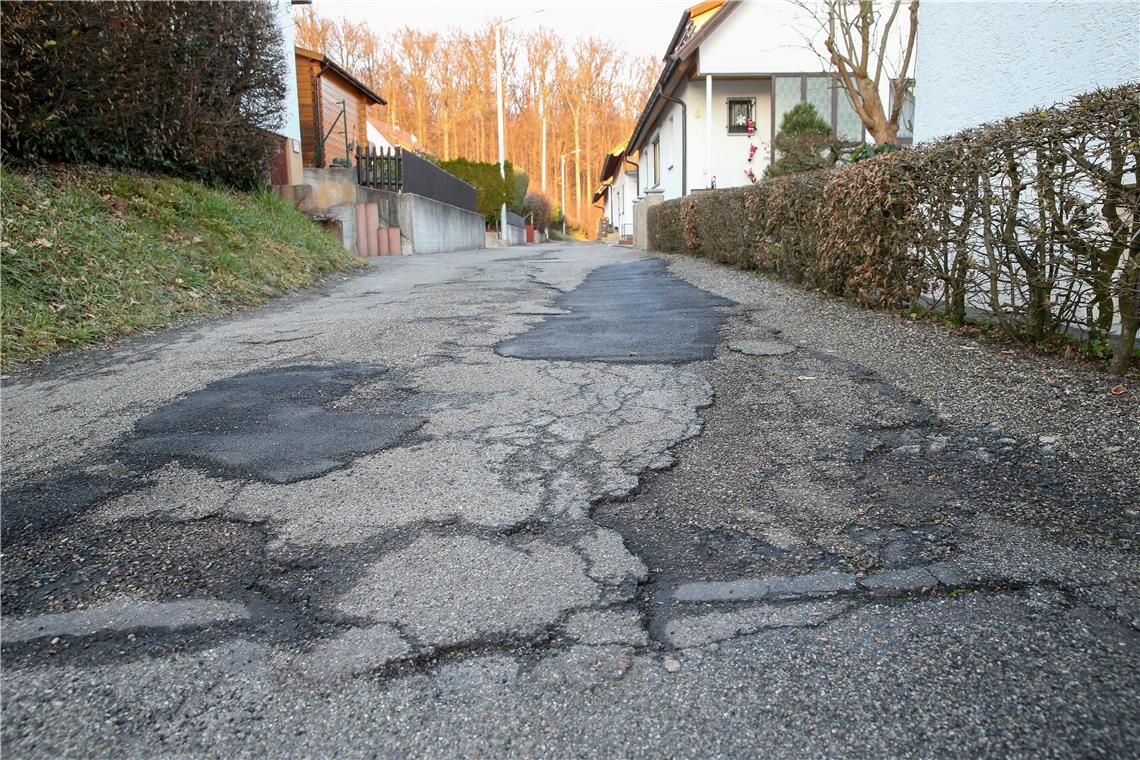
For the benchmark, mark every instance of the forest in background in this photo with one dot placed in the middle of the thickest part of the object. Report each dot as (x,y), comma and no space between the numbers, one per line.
(441,88)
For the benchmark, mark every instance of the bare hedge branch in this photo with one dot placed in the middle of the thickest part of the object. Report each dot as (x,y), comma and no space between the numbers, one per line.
(1033,222)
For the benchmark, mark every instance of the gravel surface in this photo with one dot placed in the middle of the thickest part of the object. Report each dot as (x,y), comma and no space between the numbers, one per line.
(347,525)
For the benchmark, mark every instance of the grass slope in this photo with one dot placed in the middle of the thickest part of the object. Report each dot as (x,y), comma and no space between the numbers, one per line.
(91,254)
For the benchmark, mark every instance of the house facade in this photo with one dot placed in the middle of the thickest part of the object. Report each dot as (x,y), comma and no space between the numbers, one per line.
(732,70)
(1021,56)
(287,167)
(618,191)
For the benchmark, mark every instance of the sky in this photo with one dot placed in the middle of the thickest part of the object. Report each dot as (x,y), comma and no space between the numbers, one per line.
(642,26)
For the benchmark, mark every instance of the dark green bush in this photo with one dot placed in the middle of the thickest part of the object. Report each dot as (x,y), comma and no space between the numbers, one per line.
(491,189)
(711,227)
(177,87)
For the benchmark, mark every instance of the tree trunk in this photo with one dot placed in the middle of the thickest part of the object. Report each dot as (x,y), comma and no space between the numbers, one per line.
(1129,285)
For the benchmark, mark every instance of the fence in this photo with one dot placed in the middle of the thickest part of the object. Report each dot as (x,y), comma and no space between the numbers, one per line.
(401,171)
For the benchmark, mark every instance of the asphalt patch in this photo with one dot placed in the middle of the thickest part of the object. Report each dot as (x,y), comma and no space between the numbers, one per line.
(275,425)
(633,312)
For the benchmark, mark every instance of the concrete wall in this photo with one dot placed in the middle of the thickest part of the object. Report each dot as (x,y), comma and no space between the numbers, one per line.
(983,61)
(426,225)
(641,218)
(433,227)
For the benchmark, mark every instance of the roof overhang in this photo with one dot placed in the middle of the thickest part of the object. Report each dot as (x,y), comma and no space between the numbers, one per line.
(680,60)
(327,64)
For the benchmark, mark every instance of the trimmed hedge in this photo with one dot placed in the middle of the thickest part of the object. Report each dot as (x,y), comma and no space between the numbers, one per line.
(1033,221)
(664,222)
(183,88)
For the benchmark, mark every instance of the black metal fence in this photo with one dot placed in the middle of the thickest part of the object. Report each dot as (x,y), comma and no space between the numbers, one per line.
(403,171)
(382,169)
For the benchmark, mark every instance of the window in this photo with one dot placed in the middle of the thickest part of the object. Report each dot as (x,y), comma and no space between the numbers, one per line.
(826,93)
(741,111)
(906,115)
(656,161)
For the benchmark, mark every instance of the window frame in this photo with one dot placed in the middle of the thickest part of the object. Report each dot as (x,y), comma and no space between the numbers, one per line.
(734,129)
(907,141)
(837,92)
(656,152)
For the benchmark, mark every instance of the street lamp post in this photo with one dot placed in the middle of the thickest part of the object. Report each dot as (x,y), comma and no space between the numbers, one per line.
(564,155)
(499,101)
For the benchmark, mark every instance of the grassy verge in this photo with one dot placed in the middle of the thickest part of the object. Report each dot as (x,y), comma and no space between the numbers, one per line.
(90,254)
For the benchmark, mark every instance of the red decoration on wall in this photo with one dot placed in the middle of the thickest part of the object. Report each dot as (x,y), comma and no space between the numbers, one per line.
(751,152)
(751,175)
(751,127)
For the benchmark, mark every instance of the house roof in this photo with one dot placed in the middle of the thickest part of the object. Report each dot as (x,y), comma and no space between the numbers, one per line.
(696,24)
(612,161)
(329,64)
(396,137)
(601,191)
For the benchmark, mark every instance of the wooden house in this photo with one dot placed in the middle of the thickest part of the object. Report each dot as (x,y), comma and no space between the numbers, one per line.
(333,109)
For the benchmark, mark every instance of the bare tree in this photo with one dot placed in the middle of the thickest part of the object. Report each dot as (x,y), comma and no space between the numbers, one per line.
(857,36)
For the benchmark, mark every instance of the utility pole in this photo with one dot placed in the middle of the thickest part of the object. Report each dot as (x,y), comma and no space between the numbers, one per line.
(542,115)
(499,100)
(564,155)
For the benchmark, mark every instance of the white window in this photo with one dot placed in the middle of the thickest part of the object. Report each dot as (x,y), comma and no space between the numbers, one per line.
(656,161)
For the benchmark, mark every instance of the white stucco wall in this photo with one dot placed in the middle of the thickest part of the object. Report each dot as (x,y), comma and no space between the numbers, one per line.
(982,61)
(728,158)
(291,126)
(668,130)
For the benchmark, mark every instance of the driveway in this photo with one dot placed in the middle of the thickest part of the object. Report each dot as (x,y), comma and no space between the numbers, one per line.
(567,501)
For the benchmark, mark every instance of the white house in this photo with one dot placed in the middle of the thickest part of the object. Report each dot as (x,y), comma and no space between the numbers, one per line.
(732,70)
(287,163)
(619,190)
(1021,55)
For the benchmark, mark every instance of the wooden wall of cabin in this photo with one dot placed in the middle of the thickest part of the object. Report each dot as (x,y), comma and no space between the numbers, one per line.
(334,89)
(307,98)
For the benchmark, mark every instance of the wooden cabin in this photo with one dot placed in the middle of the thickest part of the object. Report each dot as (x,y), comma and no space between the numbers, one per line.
(333,108)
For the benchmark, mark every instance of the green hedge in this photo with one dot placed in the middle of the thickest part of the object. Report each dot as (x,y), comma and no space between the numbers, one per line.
(1033,221)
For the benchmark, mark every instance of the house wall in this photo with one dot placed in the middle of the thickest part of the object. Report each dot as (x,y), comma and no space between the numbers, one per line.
(318,99)
(668,131)
(307,97)
(727,156)
(983,61)
(762,37)
(333,90)
(290,126)
(742,53)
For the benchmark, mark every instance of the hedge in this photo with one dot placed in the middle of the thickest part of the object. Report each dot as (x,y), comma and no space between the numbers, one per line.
(1033,221)
(174,87)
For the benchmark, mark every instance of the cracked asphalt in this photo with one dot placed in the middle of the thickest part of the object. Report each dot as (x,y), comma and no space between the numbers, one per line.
(567,501)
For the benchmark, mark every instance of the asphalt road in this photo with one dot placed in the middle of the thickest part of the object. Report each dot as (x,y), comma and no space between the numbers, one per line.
(567,502)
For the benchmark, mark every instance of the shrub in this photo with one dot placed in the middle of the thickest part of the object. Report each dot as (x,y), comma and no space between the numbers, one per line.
(491,189)
(181,88)
(537,206)
(1034,220)
(664,223)
(710,225)
(804,142)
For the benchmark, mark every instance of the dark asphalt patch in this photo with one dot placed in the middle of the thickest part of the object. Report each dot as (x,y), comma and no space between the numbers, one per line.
(43,508)
(634,312)
(275,425)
